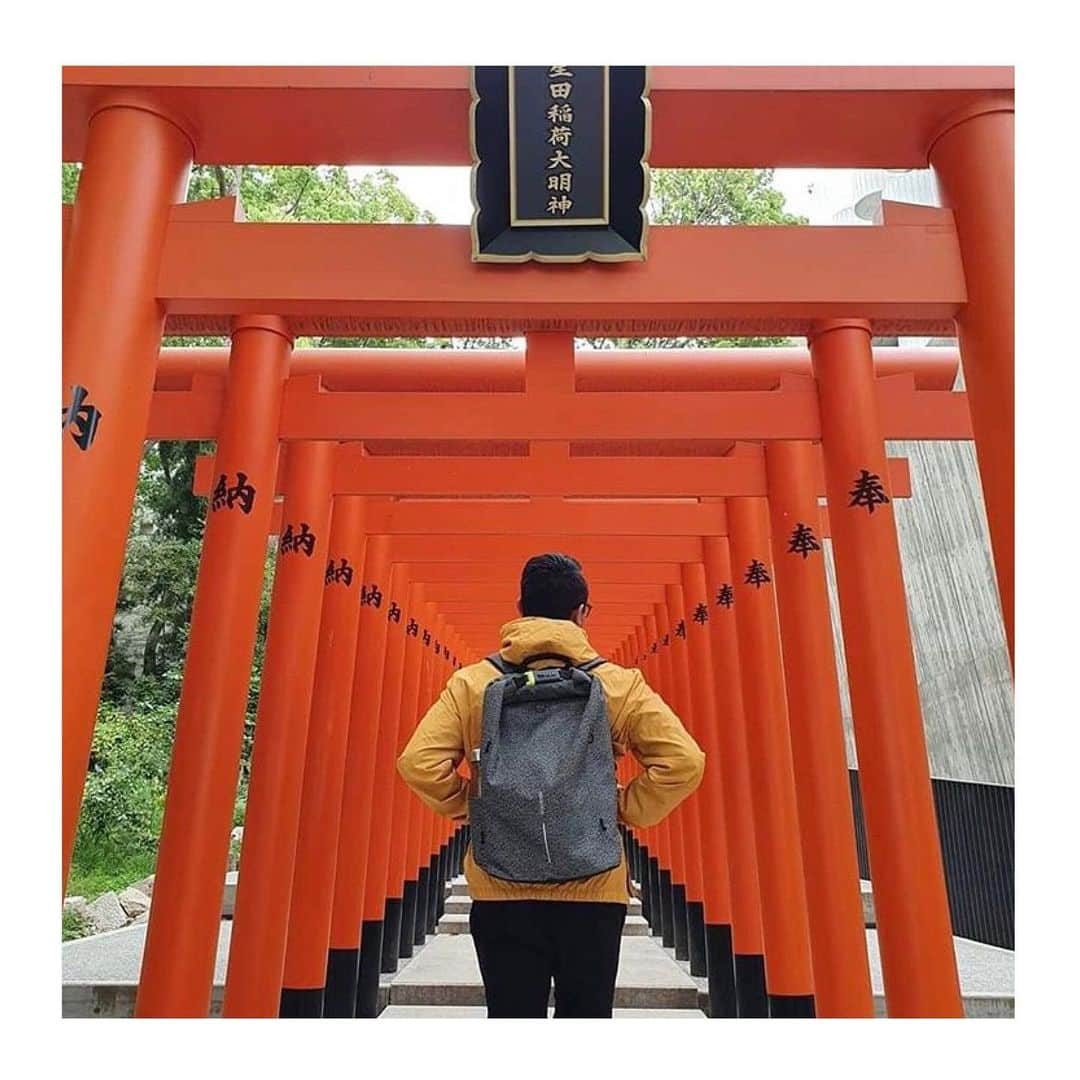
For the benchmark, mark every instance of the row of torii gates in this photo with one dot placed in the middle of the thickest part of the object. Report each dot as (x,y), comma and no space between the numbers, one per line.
(414,484)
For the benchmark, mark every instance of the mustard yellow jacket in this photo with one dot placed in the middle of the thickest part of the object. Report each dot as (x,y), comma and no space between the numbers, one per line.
(641,723)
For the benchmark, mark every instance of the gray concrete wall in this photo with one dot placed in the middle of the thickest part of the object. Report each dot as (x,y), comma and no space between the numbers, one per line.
(962,662)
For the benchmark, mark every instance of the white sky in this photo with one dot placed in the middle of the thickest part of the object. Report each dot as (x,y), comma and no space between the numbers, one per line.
(444,190)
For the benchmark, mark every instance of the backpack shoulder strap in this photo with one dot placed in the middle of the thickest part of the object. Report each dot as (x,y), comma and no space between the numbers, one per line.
(591,665)
(504,667)
(532,658)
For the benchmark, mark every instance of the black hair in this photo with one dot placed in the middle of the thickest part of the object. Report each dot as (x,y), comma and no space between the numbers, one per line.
(552,586)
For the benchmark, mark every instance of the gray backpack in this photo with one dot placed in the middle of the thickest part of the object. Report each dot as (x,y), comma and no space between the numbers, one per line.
(544,805)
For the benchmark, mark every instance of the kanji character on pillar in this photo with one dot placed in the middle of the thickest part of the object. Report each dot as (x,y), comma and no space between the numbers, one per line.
(803,541)
(756,574)
(868,491)
(81,418)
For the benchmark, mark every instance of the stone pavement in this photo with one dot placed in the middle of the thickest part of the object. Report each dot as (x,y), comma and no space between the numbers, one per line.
(442,979)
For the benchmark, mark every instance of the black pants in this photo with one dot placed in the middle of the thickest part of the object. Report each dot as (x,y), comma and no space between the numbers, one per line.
(523,944)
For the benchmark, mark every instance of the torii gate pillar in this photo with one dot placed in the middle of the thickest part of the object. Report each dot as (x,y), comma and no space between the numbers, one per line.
(136,166)
(914,928)
(973,159)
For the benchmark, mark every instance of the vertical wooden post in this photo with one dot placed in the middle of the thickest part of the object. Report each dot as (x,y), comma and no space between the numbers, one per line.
(973,159)
(136,167)
(664,927)
(674,820)
(356,935)
(182,935)
(304,979)
(720,963)
(420,821)
(268,854)
(691,807)
(734,757)
(826,824)
(395,817)
(402,874)
(779,856)
(914,929)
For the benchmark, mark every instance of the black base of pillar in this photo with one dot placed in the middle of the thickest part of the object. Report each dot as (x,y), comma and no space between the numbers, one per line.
(435,886)
(342,969)
(678,907)
(301,1004)
(723,999)
(367,983)
(420,923)
(444,876)
(642,876)
(656,906)
(667,923)
(391,938)
(750,985)
(695,927)
(791,1006)
(408,920)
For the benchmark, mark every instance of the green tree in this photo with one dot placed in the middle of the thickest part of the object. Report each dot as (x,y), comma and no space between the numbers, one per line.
(717,197)
(69,181)
(710,197)
(308,193)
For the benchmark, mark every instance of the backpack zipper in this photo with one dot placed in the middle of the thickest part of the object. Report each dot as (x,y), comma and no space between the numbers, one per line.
(543,828)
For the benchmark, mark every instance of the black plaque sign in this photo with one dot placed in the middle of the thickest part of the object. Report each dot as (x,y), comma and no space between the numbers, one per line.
(559,163)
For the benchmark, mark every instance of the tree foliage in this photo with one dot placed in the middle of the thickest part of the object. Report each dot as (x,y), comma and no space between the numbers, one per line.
(308,193)
(709,197)
(717,197)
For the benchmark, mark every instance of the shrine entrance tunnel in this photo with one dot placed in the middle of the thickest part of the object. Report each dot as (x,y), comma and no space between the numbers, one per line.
(406,487)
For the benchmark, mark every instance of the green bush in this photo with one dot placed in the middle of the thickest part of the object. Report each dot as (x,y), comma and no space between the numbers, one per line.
(124,797)
(73,926)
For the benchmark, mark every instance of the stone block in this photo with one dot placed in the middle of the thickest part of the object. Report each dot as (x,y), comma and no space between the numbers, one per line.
(146,885)
(105,913)
(134,902)
(228,898)
(867,891)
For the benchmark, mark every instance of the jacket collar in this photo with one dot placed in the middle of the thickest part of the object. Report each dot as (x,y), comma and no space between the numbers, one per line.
(530,635)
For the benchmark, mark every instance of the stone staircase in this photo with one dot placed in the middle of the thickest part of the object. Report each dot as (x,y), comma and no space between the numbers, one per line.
(442,980)
(456,917)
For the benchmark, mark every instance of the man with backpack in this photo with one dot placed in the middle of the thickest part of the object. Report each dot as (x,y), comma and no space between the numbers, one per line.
(541,723)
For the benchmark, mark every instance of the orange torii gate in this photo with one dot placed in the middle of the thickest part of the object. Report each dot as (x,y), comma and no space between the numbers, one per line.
(138,262)
(431,517)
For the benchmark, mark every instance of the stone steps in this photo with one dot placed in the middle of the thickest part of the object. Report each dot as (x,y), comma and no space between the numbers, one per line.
(445,973)
(458,923)
(478,1012)
(458,905)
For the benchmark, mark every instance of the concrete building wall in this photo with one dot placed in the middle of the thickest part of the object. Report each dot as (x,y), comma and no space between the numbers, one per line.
(962,663)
